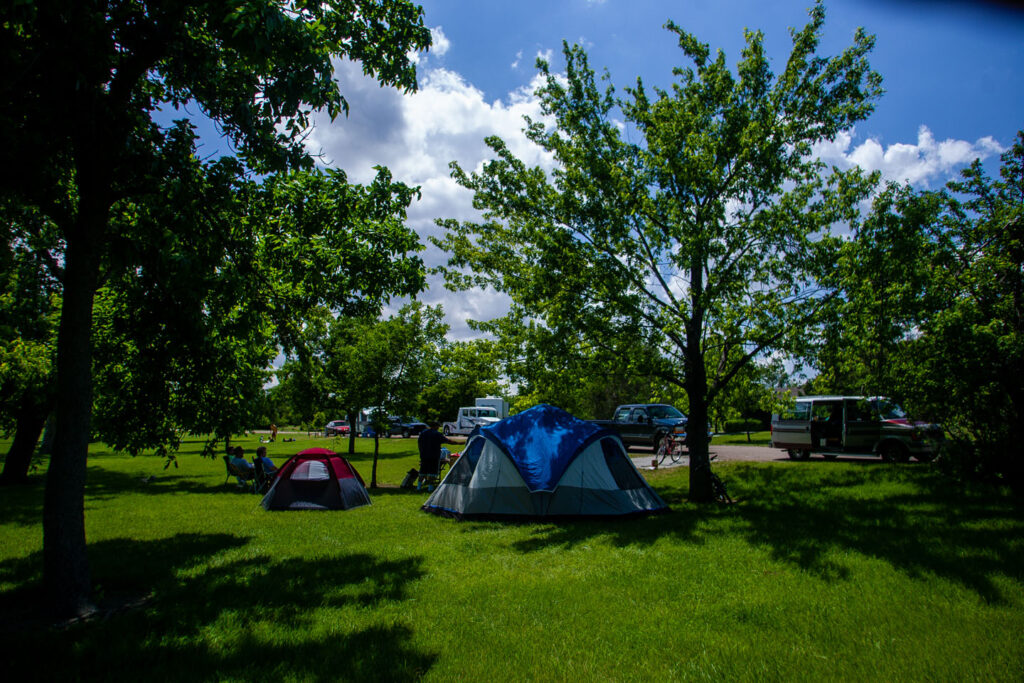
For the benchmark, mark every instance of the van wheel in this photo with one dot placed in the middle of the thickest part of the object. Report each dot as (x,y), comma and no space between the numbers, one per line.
(795,454)
(893,452)
(405,433)
(447,431)
(924,457)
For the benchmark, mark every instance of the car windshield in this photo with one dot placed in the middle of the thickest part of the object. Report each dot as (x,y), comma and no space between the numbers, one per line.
(663,412)
(888,410)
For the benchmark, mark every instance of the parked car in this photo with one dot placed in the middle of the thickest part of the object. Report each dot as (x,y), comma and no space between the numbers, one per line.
(853,425)
(648,424)
(336,428)
(404,425)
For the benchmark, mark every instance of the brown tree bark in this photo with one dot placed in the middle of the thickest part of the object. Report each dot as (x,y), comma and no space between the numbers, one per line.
(31,419)
(66,577)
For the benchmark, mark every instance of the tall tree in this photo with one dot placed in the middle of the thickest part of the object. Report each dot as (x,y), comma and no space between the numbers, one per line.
(972,335)
(933,310)
(183,345)
(716,221)
(462,371)
(84,79)
(380,364)
(884,270)
(588,375)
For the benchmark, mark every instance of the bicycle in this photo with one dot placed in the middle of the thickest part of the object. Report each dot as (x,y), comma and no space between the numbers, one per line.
(670,448)
(718,490)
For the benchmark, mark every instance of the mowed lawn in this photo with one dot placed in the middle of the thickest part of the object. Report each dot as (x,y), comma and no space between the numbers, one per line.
(821,570)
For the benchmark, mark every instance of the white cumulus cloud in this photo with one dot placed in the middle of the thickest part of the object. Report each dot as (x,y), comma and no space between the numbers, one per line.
(927,163)
(417,136)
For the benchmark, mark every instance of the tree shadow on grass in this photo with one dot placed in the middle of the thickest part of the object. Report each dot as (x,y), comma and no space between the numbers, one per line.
(918,522)
(248,619)
(810,514)
(22,504)
(104,484)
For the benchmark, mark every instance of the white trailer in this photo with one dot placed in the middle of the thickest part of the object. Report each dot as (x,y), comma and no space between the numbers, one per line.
(496,402)
(469,418)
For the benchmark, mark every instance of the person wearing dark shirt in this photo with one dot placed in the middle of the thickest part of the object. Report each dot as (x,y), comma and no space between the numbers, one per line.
(430,449)
(268,465)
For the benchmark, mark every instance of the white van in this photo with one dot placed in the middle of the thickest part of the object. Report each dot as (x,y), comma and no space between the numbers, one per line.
(853,425)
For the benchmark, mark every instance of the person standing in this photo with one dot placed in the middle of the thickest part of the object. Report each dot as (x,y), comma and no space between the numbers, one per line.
(430,441)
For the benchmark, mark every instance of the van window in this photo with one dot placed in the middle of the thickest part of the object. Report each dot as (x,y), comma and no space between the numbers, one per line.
(798,411)
(827,411)
(858,410)
(889,410)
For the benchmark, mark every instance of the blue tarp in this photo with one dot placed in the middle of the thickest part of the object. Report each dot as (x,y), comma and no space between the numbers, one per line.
(542,442)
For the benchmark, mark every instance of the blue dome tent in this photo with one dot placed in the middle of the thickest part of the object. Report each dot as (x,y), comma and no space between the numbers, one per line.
(544,463)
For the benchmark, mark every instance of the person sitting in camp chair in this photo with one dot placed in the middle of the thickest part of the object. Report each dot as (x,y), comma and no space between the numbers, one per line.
(265,470)
(241,468)
(430,441)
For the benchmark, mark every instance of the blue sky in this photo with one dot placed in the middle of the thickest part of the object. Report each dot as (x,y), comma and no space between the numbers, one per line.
(957,67)
(953,72)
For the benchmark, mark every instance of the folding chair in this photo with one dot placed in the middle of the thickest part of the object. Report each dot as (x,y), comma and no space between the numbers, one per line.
(263,478)
(242,475)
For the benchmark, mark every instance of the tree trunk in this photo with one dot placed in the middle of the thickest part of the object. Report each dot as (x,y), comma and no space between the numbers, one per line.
(697,390)
(31,418)
(65,565)
(66,579)
(46,447)
(376,450)
(352,420)
(697,437)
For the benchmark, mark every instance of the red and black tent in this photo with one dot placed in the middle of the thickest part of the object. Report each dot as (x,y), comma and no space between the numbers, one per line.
(316,479)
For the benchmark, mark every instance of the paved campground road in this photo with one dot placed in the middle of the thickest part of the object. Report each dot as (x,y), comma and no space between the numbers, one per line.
(642,457)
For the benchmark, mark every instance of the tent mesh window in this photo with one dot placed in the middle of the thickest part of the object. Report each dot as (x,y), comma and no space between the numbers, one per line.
(464,468)
(625,475)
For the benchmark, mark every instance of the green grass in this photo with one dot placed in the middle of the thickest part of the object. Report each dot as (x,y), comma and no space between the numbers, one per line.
(822,570)
(740,439)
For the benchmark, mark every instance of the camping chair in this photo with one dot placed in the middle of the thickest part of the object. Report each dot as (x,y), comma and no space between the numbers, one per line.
(432,479)
(428,479)
(448,460)
(243,475)
(263,478)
